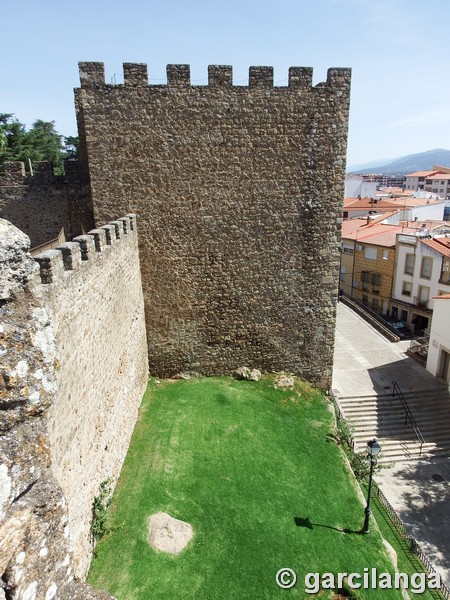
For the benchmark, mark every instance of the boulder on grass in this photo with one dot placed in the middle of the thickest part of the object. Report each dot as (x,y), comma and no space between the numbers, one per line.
(168,534)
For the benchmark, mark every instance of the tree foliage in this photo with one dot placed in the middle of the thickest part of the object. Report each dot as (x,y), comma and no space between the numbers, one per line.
(40,143)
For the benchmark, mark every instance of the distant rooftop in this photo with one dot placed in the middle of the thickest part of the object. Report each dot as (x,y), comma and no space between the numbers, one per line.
(422,173)
(379,234)
(440,244)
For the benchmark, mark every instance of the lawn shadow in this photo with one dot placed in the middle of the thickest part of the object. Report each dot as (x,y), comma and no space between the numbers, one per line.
(306,522)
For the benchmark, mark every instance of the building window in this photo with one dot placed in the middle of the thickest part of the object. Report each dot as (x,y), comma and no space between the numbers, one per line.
(445,273)
(424,294)
(407,288)
(376,283)
(365,278)
(410,260)
(385,254)
(426,267)
(365,300)
(375,303)
(347,250)
(370,253)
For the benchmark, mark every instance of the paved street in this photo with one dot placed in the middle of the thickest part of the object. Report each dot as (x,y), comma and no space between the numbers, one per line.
(366,363)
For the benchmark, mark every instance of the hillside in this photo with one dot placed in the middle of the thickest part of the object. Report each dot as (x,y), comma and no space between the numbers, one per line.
(422,161)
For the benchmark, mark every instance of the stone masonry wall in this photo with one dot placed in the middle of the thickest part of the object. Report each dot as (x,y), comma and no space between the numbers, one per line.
(92,291)
(35,557)
(239,191)
(41,204)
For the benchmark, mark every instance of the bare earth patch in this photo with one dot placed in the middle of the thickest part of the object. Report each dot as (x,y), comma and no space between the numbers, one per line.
(168,534)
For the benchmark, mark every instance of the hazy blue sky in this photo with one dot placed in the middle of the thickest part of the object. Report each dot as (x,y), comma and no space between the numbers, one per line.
(398,49)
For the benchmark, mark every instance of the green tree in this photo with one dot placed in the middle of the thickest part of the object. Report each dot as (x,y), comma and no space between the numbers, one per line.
(40,143)
(44,143)
(71,147)
(13,138)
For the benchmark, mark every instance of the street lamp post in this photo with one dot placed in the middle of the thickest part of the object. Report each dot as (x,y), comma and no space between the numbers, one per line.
(373,449)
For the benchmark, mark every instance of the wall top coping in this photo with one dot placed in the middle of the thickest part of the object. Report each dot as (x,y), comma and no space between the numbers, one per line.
(92,75)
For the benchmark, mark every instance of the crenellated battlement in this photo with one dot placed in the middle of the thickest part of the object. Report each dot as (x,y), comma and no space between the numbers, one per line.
(92,75)
(43,172)
(71,255)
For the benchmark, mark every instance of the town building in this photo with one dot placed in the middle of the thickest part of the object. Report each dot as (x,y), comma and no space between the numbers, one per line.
(368,262)
(358,187)
(416,181)
(410,208)
(422,272)
(438,184)
(362,207)
(383,179)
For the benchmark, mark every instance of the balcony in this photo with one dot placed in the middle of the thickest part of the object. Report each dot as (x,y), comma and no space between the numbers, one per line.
(420,303)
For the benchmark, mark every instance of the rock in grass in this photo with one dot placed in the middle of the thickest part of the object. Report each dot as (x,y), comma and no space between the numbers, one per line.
(285,382)
(246,373)
(168,534)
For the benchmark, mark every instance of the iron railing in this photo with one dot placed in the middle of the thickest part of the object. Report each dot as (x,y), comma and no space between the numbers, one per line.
(412,542)
(396,391)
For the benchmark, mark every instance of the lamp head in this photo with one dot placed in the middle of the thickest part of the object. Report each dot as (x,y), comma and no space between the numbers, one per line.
(373,448)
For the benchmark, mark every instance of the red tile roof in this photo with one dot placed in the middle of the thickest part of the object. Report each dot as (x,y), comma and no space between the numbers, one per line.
(367,203)
(429,224)
(440,176)
(408,202)
(379,234)
(441,245)
(422,173)
(397,191)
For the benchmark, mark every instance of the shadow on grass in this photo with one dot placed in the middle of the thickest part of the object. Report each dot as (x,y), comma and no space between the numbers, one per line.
(301,522)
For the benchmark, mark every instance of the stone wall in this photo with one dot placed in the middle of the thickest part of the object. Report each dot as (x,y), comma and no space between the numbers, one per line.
(73,369)
(92,292)
(35,557)
(239,189)
(42,204)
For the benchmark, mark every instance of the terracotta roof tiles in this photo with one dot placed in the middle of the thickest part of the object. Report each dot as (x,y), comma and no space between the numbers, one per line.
(441,245)
(422,173)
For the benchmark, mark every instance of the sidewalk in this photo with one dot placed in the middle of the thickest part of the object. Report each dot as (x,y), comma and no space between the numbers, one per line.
(365,363)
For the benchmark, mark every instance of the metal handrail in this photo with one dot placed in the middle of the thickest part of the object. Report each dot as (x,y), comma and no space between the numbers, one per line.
(408,415)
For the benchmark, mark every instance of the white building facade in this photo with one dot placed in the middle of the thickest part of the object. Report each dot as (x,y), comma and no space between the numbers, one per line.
(438,360)
(357,187)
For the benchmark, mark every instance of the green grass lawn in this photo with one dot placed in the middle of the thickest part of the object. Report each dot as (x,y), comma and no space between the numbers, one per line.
(247,466)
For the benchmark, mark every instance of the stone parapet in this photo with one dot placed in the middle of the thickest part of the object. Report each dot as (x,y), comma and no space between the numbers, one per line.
(70,256)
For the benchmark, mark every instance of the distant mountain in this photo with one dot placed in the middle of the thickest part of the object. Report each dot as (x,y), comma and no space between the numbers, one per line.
(374,163)
(423,161)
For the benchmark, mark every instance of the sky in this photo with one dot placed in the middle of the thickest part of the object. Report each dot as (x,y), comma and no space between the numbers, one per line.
(398,51)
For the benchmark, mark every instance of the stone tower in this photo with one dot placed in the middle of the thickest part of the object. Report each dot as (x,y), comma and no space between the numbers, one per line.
(239,194)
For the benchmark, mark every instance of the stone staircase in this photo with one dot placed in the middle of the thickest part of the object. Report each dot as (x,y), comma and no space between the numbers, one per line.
(383,417)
